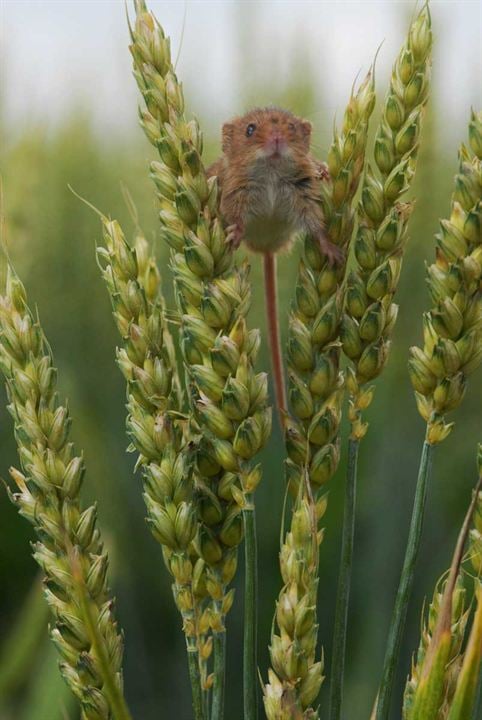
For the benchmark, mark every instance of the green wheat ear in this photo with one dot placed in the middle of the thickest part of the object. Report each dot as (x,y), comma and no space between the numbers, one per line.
(370,313)
(444,678)
(315,391)
(460,617)
(467,698)
(464,659)
(69,548)
(452,328)
(452,332)
(315,382)
(227,398)
(159,432)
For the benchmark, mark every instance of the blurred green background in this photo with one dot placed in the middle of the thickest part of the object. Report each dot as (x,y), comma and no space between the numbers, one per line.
(51,237)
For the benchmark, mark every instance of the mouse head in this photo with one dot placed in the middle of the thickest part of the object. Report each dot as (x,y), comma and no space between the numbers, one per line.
(270,134)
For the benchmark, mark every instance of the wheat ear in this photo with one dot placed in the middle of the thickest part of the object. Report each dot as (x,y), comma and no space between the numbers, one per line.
(158,430)
(69,548)
(311,431)
(452,331)
(227,399)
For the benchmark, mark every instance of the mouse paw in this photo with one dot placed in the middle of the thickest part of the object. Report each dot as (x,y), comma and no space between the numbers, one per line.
(323,172)
(234,235)
(334,254)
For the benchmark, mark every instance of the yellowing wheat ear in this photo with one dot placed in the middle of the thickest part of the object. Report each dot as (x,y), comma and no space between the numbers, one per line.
(69,548)
(158,430)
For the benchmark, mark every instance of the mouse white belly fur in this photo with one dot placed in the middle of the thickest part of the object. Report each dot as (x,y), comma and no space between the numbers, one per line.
(271,222)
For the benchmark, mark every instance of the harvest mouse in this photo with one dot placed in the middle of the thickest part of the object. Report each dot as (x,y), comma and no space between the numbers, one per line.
(269,184)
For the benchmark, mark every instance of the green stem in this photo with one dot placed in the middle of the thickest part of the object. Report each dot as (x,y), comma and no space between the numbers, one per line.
(405,587)
(217,710)
(344,580)
(478,700)
(195,678)
(250,663)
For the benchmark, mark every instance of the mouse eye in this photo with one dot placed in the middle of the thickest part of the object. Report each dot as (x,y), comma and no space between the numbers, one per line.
(291,126)
(250,129)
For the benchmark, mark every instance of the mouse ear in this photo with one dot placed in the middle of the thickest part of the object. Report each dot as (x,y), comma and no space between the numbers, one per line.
(228,129)
(306,128)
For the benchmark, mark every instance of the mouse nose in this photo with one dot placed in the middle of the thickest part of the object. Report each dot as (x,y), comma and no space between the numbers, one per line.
(276,140)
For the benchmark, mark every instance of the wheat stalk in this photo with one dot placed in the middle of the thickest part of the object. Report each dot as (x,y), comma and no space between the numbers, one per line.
(446,683)
(452,328)
(370,314)
(69,548)
(159,433)
(295,676)
(451,351)
(311,432)
(227,398)
(463,661)
(315,383)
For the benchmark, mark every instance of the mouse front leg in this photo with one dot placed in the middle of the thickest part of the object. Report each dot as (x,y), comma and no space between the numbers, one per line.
(233,209)
(314,225)
(235,234)
(322,172)
(332,252)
